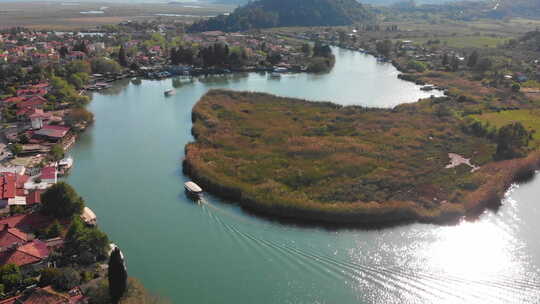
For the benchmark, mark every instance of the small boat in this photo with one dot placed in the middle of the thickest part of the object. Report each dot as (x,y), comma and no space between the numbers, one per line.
(193,189)
(275,75)
(170,92)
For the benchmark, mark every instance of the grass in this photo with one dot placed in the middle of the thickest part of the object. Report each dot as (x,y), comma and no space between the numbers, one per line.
(530,119)
(465,41)
(325,161)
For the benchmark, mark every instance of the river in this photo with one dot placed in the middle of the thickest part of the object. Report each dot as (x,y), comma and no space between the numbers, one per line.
(128,168)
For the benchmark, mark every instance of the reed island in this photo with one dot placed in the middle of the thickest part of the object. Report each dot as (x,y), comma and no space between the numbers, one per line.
(323,162)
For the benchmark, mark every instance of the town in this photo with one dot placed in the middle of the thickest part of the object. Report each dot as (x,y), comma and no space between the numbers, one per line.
(46,79)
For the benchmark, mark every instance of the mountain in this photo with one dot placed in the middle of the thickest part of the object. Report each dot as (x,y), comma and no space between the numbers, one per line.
(372,2)
(520,8)
(278,13)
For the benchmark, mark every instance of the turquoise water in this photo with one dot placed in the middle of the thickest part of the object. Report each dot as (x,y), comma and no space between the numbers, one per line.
(128,167)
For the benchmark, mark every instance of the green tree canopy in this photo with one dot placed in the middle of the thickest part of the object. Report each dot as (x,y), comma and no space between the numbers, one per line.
(512,141)
(61,201)
(10,276)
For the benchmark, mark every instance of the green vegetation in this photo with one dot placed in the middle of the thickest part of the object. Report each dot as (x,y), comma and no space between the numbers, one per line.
(274,13)
(528,118)
(10,277)
(327,162)
(84,245)
(61,201)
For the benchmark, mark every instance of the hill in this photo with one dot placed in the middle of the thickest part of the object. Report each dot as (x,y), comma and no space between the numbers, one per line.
(278,13)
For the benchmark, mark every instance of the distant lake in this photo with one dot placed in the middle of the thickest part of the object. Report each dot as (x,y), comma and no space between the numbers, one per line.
(128,168)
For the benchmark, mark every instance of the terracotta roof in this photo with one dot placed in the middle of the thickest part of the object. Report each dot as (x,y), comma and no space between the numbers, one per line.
(31,221)
(11,236)
(12,300)
(29,253)
(33,197)
(48,173)
(53,131)
(32,102)
(7,185)
(45,295)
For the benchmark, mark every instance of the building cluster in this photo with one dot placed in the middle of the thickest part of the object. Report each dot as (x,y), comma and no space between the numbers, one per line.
(36,130)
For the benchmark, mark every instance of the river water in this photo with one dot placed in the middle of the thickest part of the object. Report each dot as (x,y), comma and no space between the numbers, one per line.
(128,168)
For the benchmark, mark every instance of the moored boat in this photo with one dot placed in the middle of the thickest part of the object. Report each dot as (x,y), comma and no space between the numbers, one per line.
(170,92)
(192,188)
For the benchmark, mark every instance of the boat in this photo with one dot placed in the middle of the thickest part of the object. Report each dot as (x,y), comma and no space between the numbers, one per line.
(428,87)
(275,75)
(170,92)
(193,189)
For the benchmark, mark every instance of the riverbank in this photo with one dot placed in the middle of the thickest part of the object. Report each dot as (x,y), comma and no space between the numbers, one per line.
(348,165)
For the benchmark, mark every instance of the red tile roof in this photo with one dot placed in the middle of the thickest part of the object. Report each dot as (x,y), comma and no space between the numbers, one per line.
(12,236)
(32,102)
(45,295)
(53,131)
(48,173)
(33,197)
(32,221)
(29,253)
(7,186)
(12,300)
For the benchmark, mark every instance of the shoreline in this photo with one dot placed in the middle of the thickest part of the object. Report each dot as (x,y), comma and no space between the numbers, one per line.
(401,213)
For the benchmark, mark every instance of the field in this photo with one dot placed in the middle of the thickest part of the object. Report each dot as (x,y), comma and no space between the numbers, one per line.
(84,15)
(324,161)
(529,118)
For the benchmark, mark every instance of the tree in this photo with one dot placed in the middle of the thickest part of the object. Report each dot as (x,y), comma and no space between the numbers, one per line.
(384,47)
(454,64)
(15,149)
(122,58)
(473,59)
(57,152)
(484,65)
(54,229)
(61,201)
(117,276)
(512,141)
(67,279)
(102,65)
(445,59)
(48,276)
(88,243)
(79,115)
(10,276)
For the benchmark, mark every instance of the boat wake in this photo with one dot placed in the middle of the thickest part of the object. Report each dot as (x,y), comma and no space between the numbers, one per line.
(396,284)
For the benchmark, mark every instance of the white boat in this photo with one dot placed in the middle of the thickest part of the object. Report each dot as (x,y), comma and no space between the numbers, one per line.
(170,92)
(66,162)
(193,188)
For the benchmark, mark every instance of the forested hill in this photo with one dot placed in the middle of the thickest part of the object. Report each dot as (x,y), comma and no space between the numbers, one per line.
(276,13)
(521,8)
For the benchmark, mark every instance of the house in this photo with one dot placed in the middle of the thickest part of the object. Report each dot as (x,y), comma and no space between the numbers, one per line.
(49,175)
(12,189)
(33,197)
(26,222)
(37,118)
(31,256)
(11,238)
(52,132)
